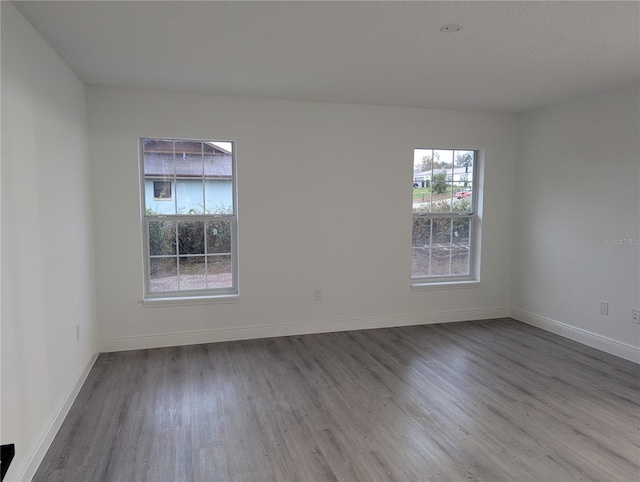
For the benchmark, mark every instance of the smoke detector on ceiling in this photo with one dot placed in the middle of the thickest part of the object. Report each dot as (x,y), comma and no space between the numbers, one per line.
(451,27)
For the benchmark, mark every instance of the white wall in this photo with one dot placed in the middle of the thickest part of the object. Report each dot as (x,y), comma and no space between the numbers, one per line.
(324,202)
(47,258)
(577,188)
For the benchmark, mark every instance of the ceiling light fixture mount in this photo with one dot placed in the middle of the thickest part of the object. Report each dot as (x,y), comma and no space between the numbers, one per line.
(451,28)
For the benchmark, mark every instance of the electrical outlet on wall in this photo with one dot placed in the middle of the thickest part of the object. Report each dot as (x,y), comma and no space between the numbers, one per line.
(604,307)
(635,316)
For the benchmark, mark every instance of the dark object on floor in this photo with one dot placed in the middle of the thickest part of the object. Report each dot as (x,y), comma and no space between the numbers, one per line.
(6,456)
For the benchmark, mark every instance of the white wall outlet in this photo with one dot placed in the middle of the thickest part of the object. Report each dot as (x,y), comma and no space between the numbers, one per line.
(635,316)
(604,307)
(317,294)
(77,332)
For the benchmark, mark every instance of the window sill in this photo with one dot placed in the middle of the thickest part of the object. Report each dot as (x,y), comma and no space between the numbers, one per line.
(189,300)
(444,285)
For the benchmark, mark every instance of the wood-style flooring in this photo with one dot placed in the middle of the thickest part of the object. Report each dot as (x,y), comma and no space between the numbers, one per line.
(490,400)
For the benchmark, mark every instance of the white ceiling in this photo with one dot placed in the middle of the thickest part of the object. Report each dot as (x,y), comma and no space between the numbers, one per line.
(511,56)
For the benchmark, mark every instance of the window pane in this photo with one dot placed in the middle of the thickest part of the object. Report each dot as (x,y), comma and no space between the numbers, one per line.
(155,204)
(193,273)
(190,196)
(162,238)
(218,196)
(421,246)
(218,173)
(219,272)
(440,261)
(442,180)
(159,173)
(191,237)
(441,231)
(464,162)
(421,235)
(158,164)
(461,231)
(422,177)
(420,261)
(422,198)
(189,159)
(433,192)
(189,164)
(158,158)
(218,237)
(463,197)
(163,274)
(460,246)
(440,246)
(448,198)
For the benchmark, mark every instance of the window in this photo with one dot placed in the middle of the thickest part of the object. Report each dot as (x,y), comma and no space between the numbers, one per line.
(444,214)
(162,190)
(189,218)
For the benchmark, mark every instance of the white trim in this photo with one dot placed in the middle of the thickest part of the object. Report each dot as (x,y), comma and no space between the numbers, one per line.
(594,340)
(301,328)
(444,285)
(38,450)
(189,300)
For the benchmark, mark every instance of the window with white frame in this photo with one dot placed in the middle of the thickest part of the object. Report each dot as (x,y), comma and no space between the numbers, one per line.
(444,214)
(189,217)
(162,190)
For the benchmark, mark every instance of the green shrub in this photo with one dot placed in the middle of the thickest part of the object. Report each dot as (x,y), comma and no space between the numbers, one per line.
(440,183)
(189,237)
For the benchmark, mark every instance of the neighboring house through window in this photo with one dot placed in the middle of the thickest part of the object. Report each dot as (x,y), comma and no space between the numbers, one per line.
(444,215)
(189,216)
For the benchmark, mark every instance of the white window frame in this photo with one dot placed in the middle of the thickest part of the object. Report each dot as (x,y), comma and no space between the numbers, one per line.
(160,298)
(472,278)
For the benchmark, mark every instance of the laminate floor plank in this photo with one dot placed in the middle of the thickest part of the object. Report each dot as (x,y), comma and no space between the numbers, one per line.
(493,400)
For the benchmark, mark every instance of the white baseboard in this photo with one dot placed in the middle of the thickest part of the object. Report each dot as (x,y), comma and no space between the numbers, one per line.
(38,450)
(606,344)
(302,328)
